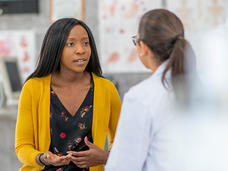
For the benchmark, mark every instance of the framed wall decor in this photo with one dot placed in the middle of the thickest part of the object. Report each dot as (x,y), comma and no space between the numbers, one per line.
(20,44)
(118,22)
(70,8)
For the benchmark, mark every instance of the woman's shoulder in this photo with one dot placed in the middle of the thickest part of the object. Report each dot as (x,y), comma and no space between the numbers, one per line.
(102,81)
(141,87)
(36,82)
(147,90)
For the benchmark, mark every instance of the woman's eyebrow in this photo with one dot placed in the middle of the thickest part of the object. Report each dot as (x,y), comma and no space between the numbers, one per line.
(83,38)
(71,38)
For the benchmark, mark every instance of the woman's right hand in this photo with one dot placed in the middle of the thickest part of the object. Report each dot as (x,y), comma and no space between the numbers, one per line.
(52,159)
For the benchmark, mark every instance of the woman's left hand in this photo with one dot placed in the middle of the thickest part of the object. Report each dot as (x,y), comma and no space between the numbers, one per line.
(92,157)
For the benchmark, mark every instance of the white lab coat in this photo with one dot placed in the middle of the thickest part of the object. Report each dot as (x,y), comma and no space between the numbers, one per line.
(145,111)
(152,136)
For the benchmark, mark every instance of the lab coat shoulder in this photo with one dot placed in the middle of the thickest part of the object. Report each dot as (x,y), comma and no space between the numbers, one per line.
(148,92)
(152,98)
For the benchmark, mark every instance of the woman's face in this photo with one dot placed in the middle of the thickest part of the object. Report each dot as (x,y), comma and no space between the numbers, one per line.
(76,53)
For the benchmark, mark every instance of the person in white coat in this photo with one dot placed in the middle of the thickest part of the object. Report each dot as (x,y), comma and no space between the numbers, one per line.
(144,134)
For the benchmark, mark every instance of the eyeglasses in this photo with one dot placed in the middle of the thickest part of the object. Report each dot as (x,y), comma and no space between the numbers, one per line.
(135,40)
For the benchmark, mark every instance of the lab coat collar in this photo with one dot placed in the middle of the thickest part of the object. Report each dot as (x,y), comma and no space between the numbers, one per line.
(161,68)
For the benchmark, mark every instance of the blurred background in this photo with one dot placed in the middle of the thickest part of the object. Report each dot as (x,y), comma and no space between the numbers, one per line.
(23,24)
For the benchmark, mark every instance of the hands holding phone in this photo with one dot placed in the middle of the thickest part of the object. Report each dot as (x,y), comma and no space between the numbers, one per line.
(83,159)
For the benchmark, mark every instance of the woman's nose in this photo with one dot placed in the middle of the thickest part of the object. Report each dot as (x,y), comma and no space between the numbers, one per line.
(79,49)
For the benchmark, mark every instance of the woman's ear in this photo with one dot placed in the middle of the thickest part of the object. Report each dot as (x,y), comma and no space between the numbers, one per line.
(144,49)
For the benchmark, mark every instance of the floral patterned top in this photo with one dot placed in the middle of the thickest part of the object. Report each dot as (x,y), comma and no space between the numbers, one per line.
(67,131)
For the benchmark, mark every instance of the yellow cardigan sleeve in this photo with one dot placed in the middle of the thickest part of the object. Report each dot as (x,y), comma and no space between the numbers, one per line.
(24,138)
(114,115)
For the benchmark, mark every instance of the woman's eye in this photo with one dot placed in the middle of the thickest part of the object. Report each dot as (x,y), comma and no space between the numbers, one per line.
(85,43)
(70,44)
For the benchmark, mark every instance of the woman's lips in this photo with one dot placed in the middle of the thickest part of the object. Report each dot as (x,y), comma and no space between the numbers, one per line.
(80,61)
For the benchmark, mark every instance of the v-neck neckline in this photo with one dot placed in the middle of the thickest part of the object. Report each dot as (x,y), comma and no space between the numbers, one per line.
(75,113)
(66,110)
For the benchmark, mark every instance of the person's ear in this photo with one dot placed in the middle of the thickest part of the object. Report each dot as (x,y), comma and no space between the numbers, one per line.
(144,49)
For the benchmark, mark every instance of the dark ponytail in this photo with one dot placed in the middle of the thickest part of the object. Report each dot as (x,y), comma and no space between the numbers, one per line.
(176,62)
(163,32)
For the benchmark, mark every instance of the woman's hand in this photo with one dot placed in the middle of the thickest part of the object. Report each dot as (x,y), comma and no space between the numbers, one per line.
(92,157)
(52,159)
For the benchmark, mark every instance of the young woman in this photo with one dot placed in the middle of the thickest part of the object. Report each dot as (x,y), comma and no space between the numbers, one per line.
(143,136)
(66,108)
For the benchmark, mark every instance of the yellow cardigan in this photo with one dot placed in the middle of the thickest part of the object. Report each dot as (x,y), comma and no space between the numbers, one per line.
(33,120)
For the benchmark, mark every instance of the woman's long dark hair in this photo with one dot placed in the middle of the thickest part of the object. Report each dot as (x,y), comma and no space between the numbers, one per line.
(163,32)
(53,44)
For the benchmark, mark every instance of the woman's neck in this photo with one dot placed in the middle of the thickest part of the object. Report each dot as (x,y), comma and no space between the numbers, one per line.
(69,78)
(154,64)
(154,67)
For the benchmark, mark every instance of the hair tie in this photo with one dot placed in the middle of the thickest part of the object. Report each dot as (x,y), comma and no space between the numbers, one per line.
(177,36)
